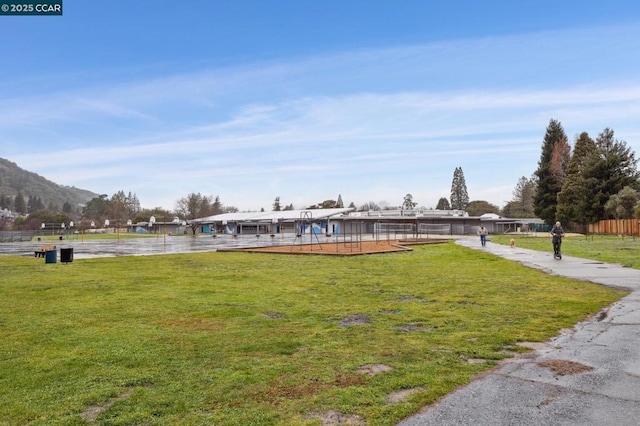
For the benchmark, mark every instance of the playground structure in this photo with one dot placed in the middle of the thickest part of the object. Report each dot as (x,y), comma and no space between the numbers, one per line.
(356,236)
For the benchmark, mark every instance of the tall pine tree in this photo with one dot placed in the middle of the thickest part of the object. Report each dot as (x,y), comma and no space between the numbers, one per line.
(574,198)
(19,204)
(551,171)
(459,195)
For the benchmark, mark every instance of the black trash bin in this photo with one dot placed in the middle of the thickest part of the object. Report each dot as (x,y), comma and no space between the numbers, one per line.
(66,255)
(51,256)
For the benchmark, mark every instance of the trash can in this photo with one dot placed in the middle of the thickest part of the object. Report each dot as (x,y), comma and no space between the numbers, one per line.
(66,255)
(51,256)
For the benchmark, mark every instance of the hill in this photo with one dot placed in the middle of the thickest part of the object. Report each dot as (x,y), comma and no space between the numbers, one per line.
(14,179)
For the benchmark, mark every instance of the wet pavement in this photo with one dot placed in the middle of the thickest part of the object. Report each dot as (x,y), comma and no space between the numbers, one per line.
(162,244)
(601,358)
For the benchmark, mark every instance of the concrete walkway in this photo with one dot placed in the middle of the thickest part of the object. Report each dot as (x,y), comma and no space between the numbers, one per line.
(603,354)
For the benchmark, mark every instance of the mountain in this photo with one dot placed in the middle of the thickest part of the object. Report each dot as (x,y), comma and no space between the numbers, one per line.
(13,179)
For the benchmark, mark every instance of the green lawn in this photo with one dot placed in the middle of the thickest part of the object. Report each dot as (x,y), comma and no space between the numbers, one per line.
(607,248)
(261,339)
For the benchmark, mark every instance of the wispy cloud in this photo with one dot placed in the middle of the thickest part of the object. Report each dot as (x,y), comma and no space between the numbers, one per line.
(369,121)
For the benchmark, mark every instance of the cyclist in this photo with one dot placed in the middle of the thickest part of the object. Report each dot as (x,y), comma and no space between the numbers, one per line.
(556,238)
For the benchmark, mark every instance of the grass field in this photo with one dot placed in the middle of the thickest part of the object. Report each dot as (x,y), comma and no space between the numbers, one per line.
(607,248)
(261,339)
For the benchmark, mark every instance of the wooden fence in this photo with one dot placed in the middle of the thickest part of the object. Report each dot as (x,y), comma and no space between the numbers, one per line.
(615,226)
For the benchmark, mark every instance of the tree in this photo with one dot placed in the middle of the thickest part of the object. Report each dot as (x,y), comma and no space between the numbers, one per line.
(443,204)
(326,204)
(622,204)
(19,204)
(459,195)
(551,171)
(352,205)
(339,203)
(369,206)
(521,205)
(32,204)
(289,207)
(614,167)
(574,203)
(217,207)
(408,203)
(97,208)
(37,218)
(276,205)
(480,207)
(132,204)
(66,208)
(145,214)
(194,206)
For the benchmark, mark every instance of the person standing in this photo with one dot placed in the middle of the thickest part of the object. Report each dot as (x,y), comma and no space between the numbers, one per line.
(556,239)
(483,232)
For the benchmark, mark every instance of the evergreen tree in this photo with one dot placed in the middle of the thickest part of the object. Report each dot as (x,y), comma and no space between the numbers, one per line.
(339,203)
(443,204)
(66,208)
(216,207)
(31,201)
(574,203)
(459,195)
(614,167)
(276,205)
(132,204)
(19,204)
(551,171)
(39,203)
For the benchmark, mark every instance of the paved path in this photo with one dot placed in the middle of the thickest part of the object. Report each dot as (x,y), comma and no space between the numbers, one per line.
(521,392)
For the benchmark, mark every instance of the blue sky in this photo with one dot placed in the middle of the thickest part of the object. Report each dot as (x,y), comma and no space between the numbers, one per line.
(305,100)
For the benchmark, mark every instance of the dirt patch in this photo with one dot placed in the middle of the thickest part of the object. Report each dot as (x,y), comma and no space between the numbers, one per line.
(476,361)
(563,367)
(334,418)
(395,397)
(273,315)
(373,369)
(92,413)
(357,319)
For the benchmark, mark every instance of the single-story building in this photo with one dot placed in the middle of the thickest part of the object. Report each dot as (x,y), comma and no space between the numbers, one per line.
(344,221)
